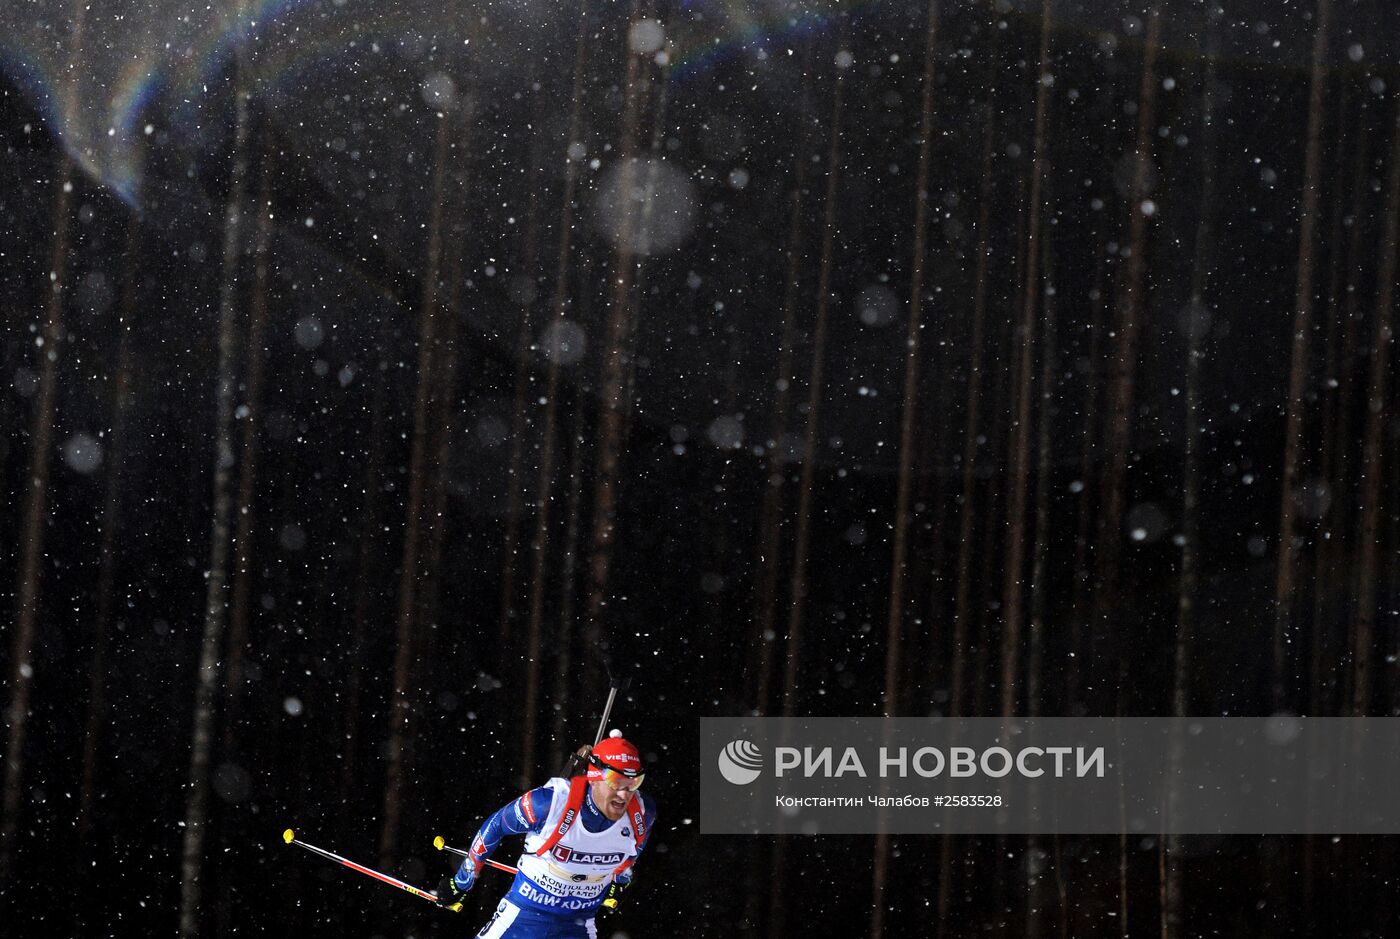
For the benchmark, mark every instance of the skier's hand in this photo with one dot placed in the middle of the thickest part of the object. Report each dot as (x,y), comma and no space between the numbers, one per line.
(450,895)
(614,895)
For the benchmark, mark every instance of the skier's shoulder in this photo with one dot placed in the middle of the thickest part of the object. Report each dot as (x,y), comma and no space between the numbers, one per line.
(532,808)
(555,784)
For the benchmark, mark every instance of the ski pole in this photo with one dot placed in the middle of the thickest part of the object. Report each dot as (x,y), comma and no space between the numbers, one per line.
(290,837)
(441,844)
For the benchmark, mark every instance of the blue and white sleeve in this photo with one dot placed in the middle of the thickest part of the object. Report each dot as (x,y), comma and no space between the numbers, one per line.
(517,817)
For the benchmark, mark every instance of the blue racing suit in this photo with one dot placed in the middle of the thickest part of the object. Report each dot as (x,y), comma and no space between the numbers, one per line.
(556,896)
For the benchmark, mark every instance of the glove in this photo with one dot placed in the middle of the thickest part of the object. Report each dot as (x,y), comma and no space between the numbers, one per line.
(450,895)
(614,895)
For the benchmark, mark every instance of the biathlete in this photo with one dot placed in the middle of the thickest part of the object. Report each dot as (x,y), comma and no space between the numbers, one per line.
(582,837)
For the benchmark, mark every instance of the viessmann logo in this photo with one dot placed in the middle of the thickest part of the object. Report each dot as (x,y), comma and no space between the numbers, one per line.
(741,762)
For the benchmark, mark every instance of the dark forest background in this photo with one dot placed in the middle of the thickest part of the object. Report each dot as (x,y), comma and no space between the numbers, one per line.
(379,380)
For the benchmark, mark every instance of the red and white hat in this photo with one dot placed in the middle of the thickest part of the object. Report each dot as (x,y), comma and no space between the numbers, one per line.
(616,754)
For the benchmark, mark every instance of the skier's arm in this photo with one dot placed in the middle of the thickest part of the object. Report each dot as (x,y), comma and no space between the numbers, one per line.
(623,875)
(525,814)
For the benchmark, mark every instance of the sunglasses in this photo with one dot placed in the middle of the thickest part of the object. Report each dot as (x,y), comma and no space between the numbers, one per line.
(619,780)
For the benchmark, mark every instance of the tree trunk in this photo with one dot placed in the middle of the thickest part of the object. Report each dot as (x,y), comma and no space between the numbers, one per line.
(1084,528)
(988,616)
(1297,376)
(445,412)
(359,628)
(815,388)
(615,403)
(774,460)
(243,538)
(33,517)
(1319,639)
(1131,304)
(1342,508)
(971,447)
(775,473)
(111,520)
(209,676)
(1016,388)
(524,378)
(544,482)
(1013,590)
(400,703)
(1040,555)
(1131,308)
(895,624)
(1372,458)
(1197,323)
(445,419)
(648,213)
(563,666)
